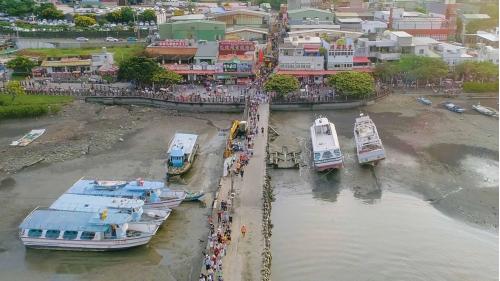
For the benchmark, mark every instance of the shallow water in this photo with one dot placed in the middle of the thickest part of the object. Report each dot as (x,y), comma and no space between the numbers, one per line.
(413,217)
(324,232)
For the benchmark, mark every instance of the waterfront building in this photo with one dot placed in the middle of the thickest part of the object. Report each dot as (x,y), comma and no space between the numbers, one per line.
(452,54)
(173,50)
(193,29)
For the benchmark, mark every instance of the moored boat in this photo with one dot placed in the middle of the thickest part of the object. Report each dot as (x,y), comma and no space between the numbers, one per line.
(193,196)
(153,193)
(369,147)
(181,153)
(424,100)
(453,107)
(70,230)
(92,204)
(484,110)
(326,149)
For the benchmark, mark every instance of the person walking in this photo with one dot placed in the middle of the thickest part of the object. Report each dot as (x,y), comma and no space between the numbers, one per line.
(243,230)
(241,173)
(258,117)
(219,216)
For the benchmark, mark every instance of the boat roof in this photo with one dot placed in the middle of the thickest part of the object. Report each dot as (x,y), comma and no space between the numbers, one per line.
(70,220)
(366,130)
(183,141)
(323,141)
(89,203)
(88,187)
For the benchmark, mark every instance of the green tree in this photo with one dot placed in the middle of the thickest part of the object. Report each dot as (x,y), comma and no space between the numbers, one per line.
(148,15)
(140,70)
(282,84)
(84,21)
(475,25)
(477,71)
(127,14)
(421,10)
(415,68)
(21,64)
(17,7)
(352,84)
(48,11)
(166,78)
(14,89)
(115,16)
(386,71)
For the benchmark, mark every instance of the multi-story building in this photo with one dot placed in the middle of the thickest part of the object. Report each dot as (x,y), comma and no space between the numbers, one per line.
(243,18)
(297,4)
(309,16)
(193,29)
(452,54)
(487,53)
(487,38)
(301,53)
(341,55)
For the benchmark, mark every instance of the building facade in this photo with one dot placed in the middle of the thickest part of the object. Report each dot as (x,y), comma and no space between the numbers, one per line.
(193,29)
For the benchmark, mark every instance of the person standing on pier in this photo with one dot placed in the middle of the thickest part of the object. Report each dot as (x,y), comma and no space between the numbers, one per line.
(243,230)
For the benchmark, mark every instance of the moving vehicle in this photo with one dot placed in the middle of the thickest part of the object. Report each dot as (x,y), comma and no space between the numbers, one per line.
(112,39)
(131,39)
(82,39)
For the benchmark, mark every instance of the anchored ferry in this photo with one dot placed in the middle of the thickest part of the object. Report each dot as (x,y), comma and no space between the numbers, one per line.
(368,144)
(325,144)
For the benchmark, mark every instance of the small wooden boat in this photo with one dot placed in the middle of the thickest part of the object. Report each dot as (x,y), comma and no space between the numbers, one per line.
(453,107)
(424,100)
(484,110)
(181,153)
(193,196)
(28,138)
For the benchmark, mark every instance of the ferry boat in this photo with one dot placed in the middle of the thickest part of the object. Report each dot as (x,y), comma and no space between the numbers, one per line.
(368,144)
(82,231)
(325,144)
(92,204)
(154,194)
(181,153)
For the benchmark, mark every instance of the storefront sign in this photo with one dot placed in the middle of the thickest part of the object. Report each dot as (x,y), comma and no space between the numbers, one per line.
(236,46)
(173,43)
(230,67)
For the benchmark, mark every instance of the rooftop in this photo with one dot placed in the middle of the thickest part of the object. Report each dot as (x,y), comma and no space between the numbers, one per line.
(67,62)
(207,49)
(88,187)
(314,26)
(70,220)
(401,34)
(186,142)
(475,16)
(188,17)
(350,20)
(248,29)
(419,41)
(89,203)
(301,10)
(244,11)
(488,35)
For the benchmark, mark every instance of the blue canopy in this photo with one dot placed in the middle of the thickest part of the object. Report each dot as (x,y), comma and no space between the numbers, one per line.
(131,189)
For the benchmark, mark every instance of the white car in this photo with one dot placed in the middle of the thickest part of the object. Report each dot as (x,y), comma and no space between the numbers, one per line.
(82,39)
(111,39)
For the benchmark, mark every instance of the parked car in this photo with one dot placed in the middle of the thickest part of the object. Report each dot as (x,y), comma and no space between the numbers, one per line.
(452,107)
(82,39)
(131,39)
(111,39)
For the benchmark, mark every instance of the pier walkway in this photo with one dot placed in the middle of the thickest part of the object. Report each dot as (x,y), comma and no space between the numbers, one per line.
(243,258)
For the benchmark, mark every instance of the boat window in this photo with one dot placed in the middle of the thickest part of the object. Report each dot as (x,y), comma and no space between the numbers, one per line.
(87,235)
(70,235)
(35,233)
(317,156)
(327,155)
(52,234)
(337,152)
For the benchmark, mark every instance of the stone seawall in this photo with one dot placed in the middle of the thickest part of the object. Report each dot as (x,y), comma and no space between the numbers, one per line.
(220,107)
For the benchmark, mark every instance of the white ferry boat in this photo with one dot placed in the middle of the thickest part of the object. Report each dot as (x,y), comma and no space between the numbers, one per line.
(325,144)
(82,231)
(368,144)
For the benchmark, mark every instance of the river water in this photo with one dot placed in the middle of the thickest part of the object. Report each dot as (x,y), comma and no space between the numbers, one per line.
(369,223)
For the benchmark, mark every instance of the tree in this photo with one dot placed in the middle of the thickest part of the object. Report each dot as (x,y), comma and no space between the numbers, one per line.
(352,84)
(139,70)
(166,77)
(124,15)
(14,89)
(477,71)
(282,84)
(84,21)
(48,11)
(178,13)
(17,7)
(148,15)
(21,64)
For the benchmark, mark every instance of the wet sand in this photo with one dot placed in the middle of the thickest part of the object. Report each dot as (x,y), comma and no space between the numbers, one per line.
(173,254)
(427,212)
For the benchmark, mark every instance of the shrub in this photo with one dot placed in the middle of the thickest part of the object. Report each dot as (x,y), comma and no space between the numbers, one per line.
(478,87)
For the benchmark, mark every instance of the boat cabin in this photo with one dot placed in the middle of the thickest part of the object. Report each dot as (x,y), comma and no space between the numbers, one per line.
(180,149)
(97,204)
(177,157)
(70,225)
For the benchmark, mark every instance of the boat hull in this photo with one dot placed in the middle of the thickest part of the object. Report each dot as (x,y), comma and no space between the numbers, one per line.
(320,167)
(164,203)
(84,245)
(371,158)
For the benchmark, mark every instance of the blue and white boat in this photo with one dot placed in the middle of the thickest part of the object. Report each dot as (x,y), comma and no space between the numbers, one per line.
(453,107)
(82,231)
(93,204)
(154,193)
(181,153)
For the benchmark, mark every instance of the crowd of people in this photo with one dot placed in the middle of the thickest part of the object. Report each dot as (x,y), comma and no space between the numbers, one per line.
(220,231)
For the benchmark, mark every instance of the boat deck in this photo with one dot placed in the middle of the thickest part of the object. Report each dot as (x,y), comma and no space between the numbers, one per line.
(186,142)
